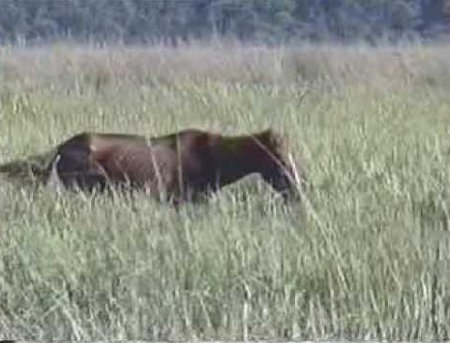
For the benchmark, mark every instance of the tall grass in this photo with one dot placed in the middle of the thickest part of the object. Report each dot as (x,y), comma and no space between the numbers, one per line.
(365,257)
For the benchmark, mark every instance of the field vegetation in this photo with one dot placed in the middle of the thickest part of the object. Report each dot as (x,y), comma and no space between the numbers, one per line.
(365,256)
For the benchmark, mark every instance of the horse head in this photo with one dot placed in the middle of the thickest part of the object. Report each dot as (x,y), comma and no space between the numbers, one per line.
(276,168)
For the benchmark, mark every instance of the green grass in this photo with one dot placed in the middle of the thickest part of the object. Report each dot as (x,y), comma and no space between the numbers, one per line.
(365,256)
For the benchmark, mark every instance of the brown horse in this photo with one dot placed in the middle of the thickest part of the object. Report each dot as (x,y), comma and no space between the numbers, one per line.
(177,167)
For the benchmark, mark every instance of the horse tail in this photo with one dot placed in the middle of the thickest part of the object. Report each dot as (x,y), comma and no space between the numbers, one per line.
(14,167)
(33,167)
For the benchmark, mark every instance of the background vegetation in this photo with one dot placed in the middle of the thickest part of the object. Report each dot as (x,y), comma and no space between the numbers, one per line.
(268,21)
(366,256)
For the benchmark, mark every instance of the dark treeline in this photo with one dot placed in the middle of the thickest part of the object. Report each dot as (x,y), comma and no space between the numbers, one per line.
(268,21)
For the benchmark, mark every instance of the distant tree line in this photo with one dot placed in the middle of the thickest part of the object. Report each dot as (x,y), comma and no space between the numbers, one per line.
(269,21)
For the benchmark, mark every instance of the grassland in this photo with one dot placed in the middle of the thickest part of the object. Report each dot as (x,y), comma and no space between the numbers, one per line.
(366,256)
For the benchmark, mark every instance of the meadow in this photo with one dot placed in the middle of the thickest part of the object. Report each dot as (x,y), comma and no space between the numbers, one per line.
(364,256)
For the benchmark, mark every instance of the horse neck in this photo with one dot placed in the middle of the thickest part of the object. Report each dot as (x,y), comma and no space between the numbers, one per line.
(236,158)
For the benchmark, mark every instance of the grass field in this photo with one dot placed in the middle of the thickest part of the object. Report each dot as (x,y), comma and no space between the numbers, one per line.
(366,256)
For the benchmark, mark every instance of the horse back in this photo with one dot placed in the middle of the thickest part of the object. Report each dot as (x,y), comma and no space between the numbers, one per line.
(174,162)
(185,153)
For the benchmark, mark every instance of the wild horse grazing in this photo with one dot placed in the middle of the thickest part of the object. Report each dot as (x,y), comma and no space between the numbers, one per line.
(178,167)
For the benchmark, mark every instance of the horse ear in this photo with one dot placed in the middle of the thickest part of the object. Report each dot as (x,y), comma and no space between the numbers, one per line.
(267,135)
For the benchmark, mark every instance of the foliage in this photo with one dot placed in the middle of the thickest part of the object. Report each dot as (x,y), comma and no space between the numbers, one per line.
(269,21)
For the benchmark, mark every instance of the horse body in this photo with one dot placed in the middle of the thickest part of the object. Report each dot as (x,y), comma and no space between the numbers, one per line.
(177,167)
